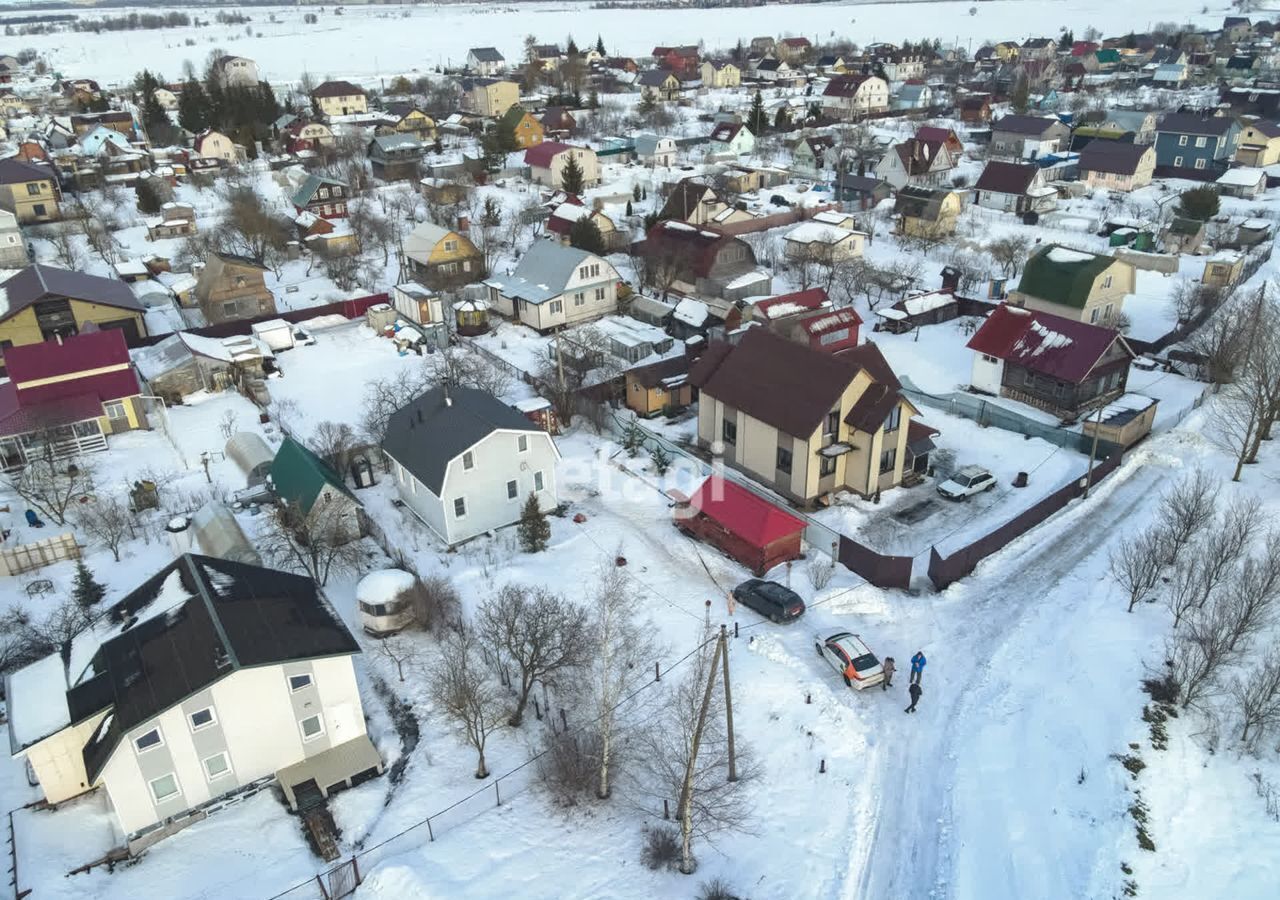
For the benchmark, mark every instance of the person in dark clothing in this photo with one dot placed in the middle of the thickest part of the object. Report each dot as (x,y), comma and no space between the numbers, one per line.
(915,692)
(917,666)
(889,668)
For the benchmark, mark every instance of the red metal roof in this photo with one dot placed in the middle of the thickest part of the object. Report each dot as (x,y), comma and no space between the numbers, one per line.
(540,155)
(813,298)
(92,352)
(1052,345)
(743,513)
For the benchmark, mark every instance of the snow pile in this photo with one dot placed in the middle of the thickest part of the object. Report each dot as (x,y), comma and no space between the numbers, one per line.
(691,312)
(1067,255)
(384,586)
(1049,340)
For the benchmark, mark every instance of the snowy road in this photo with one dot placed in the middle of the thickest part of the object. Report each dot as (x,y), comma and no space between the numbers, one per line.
(920,843)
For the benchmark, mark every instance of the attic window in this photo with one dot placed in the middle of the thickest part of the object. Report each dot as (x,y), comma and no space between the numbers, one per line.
(468,461)
(146,741)
(298,682)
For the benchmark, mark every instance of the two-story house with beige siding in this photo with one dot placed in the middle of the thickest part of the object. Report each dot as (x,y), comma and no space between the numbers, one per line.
(803,422)
(29,191)
(233,287)
(555,285)
(212,680)
(489,97)
(1075,284)
(339,98)
(855,96)
(441,259)
(547,161)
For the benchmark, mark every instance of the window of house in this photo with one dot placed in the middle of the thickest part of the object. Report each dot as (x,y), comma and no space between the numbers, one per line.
(894,420)
(202,718)
(989,359)
(468,461)
(599,294)
(1106,282)
(522,443)
(312,727)
(298,682)
(784,460)
(460,507)
(583,271)
(323,193)
(888,459)
(826,466)
(450,246)
(1200,163)
(579,299)
(216,766)
(537,481)
(1182,140)
(164,787)
(513,490)
(33,189)
(832,423)
(448,268)
(38,209)
(114,409)
(148,740)
(729,431)
(1094,314)
(1177,162)
(1201,142)
(555,307)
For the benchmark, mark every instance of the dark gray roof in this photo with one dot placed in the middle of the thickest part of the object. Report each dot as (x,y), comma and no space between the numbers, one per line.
(487,54)
(1195,123)
(15,171)
(215,617)
(1114,157)
(428,433)
(1028,125)
(38,282)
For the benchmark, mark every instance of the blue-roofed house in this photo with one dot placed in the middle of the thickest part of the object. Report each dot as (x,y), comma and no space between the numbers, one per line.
(554,285)
(914,95)
(323,196)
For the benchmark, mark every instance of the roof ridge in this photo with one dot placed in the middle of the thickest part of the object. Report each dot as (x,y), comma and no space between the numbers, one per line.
(202,589)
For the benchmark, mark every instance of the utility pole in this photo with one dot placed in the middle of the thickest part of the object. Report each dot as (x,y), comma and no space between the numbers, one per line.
(728,703)
(685,809)
(1093,452)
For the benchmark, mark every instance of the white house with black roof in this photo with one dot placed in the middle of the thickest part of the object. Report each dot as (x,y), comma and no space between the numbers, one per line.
(465,462)
(211,680)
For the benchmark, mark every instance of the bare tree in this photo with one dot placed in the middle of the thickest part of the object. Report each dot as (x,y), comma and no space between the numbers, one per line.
(398,650)
(248,227)
(1135,565)
(435,602)
(620,656)
(1187,587)
(372,231)
(672,741)
(544,636)
(333,442)
(1220,343)
(1225,543)
(1249,596)
(383,396)
(49,485)
(465,690)
(317,544)
(459,366)
(1197,655)
(1257,695)
(106,519)
(1009,253)
(66,252)
(1187,509)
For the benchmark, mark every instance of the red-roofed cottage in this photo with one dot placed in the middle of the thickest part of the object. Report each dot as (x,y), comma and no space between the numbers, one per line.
(71,393)
(546,162)
(1057,364)
(741,524)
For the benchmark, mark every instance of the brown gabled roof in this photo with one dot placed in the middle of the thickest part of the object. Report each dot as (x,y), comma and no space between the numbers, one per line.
(791,386)
(654,374)
(1006,177)
(1112,157)
(696,246)
(844,85)
(337,89)
(725,132)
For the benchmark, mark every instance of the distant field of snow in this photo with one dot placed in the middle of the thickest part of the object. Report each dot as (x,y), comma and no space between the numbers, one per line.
(368,42)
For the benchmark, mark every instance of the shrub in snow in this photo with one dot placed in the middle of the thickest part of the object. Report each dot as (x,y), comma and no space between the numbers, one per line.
(821,571)
(534,529)
(716,889)
(661,848)
(570,765)
(87,590)
(435,602)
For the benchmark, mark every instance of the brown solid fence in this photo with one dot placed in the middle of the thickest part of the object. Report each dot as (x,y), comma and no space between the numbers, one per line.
(880,570)
(351,309)
(944,571)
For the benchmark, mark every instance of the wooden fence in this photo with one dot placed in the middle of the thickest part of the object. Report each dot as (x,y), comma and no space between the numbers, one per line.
(37,555)
(351,309)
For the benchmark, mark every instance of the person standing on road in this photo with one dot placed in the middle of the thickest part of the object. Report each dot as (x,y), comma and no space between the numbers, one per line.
(889,668)
(915,692)
(917,666)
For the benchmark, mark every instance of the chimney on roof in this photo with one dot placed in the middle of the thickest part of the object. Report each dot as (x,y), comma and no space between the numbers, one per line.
(58,337)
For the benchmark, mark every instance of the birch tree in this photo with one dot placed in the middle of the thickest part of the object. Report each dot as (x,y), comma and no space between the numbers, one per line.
(464,689)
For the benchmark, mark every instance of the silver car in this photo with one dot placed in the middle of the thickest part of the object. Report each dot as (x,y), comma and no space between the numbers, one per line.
(966,482)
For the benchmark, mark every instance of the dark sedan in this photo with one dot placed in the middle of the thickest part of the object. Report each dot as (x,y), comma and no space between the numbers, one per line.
(770,599)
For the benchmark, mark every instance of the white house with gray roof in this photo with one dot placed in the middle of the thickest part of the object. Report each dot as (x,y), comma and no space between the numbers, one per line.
(486,61)
(554,285)
(465,463)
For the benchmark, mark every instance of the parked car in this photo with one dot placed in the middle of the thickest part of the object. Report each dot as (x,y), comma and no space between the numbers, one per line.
(966,482)
(852,658)
(770,599)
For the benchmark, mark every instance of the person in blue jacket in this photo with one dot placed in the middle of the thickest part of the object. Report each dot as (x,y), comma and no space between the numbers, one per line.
(917,667)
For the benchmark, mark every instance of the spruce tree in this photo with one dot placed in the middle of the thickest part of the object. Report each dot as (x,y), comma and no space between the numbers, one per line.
(584,234)
(782,120)
(534,530)
(571,176)
(600,45)
(193,107)
(757,118)
(87,590)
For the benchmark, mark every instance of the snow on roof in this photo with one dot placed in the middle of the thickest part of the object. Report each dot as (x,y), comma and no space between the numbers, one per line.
(691,312)
(1256,224)
(786,308)
(896,315)
(37,701)
(532,404)
(1049,340)
(831,217)
(1242,177)
(1067,255)
(384,586)
(819,232)
(746,279)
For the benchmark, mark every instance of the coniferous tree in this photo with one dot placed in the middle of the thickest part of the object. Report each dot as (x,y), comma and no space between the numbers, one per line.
(584,234)
(87,590)
(193,107)
(757,118)
(534,530)
(571,176)
(600,45)
(782,120)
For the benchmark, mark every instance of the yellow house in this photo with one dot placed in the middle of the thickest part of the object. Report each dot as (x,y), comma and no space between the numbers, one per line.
(491,97)
(29,191)
(412,120)
(1223,269)
(1075,284)
(720,74)
(45,303)
(441,259)
(803,422)
(927,212)
(658,388)
(339,98)
(526,131)
(1007,50)
(1259,144)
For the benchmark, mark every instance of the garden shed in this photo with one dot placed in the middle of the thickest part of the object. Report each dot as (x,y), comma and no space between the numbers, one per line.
(741,524)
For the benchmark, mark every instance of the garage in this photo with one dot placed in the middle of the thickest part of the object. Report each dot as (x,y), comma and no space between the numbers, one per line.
(741,524)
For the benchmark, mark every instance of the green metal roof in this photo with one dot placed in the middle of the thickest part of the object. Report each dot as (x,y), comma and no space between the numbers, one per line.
(299,475)
(1061,275)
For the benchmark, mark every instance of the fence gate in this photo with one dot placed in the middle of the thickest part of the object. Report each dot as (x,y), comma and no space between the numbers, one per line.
(342,880)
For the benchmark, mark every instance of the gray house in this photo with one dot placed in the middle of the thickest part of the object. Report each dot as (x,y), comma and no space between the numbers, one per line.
(1027,137)
(555,285)
(396,156)
(465,463)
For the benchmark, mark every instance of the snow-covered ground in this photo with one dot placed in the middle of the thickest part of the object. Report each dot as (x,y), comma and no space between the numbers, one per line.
(366,42)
